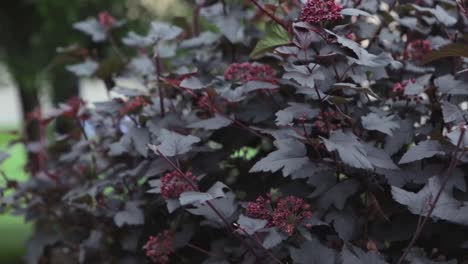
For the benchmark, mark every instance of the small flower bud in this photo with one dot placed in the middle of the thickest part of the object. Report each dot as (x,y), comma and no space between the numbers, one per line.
(316,11)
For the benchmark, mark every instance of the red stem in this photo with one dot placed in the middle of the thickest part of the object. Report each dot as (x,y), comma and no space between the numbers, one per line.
(116,47)
(93,158)
(273,257)
(238,123)
(197,248)
(322,107)
(212,207)
(160,90)
(277,20)
(419,228)
(345,72)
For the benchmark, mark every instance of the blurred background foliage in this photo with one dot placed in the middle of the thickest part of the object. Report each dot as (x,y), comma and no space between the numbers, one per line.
(32,30)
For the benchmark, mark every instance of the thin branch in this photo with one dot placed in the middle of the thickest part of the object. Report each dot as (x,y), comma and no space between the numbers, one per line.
(212,207)
(277,20)
(116,48)
(218,111)
(345,72)
(260,245)
(238,123)
(160,88)
(199,249)
(337,76)
(322,106)
(5,178)
(82,129)
(175,167)
(419,229)
(85,135)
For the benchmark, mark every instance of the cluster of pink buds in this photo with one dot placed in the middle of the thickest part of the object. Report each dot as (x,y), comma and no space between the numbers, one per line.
(289,213)
(316,11)
(158,248)
(399,88)
(106,20)
(399,91)
(250,72)
(327,122)
(351,36)
(260,209)
(286,213)
(174,183)
(417,49)
(205,103)
(134,106)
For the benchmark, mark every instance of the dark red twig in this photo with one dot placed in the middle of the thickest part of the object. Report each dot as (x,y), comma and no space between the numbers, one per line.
(212,207)
(199,249)
(277,20)
(422,223)
(255,239)
(218,111)
(160,88)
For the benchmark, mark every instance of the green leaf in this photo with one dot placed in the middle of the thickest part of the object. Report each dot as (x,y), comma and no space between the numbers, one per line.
(451,50)
(275,36)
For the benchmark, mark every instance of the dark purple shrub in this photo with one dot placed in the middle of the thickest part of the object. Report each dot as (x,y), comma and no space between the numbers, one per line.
(289,132)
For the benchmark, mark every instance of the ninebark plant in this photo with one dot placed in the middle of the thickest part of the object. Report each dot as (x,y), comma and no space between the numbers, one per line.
(261,132)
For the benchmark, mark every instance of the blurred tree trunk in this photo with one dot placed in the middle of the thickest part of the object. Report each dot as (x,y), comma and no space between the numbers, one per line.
(29,103)
(65,85)
(18,23)
(31,32)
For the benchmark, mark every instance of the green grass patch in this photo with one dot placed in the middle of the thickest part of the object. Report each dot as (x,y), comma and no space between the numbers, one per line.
(14,232)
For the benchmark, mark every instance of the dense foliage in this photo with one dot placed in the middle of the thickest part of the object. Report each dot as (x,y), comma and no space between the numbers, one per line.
(261,132)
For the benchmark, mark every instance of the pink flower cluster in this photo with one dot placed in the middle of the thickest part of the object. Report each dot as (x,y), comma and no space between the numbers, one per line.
(417,49)
(250,72)
(331,118)
(158,248)
(399,91)
(204,102)
(316,11)
(399,88)
(173,184)
(286,213)
(260,209)
(106,20)
(351,36)
(289,213)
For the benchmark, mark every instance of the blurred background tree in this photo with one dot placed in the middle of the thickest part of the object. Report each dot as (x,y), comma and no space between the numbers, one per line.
(31,32)
(33,29)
